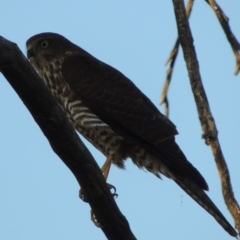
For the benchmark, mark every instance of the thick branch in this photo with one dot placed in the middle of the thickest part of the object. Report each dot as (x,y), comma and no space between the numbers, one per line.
(204,112)
(171,61)
(63,139)
(223,19)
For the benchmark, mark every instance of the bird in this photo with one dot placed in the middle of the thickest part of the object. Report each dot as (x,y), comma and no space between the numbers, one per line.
(115,116)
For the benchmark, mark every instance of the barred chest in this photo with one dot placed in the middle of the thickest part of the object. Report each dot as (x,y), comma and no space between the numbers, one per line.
(84,121)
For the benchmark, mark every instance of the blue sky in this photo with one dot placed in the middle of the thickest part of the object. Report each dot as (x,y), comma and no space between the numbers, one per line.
(39,195)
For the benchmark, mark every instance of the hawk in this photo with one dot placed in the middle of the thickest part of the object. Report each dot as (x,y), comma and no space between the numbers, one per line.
(109,110)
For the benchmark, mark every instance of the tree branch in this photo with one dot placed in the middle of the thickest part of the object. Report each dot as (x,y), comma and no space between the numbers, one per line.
(63,139)
(171,61)
(223,19)
(204,112)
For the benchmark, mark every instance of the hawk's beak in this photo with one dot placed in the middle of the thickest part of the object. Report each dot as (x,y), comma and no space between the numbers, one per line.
(30,53)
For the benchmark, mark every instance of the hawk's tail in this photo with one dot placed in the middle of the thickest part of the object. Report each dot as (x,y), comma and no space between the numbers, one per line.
(204,201)
(192,182)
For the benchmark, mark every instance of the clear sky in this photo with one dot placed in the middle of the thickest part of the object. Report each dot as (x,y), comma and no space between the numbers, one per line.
(39,195)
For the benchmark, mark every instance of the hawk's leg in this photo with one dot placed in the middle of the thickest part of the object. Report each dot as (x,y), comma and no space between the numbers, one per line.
(106,166)
(105,171)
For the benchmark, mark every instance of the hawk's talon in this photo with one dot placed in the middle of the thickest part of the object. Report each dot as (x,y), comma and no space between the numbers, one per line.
(114,194)
(82,195)
(94,220)
(110,186)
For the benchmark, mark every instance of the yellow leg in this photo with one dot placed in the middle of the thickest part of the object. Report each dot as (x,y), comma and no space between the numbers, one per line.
(105,171)
(106,166)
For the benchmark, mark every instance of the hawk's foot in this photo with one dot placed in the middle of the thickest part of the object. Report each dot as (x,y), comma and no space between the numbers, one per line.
(94,220)
(113,191)
(82,195)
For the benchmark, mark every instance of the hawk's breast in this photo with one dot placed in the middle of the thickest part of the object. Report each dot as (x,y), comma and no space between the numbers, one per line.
(91,126)
(84,121)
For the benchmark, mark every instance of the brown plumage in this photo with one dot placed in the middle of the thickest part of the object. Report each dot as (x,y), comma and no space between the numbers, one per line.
(115,116)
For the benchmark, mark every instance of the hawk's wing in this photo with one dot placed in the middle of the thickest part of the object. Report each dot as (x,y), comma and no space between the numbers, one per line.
(119,103)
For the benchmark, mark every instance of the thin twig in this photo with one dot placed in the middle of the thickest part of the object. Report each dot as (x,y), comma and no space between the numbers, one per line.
(171,59)
(223,19)
(204,112)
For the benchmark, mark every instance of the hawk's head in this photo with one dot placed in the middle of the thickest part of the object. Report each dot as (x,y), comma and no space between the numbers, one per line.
(45,47)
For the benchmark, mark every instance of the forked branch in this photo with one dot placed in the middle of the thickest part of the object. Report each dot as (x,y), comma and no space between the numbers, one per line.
(234,43)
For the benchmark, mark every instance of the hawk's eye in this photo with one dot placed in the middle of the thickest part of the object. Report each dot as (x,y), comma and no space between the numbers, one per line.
(44,44)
